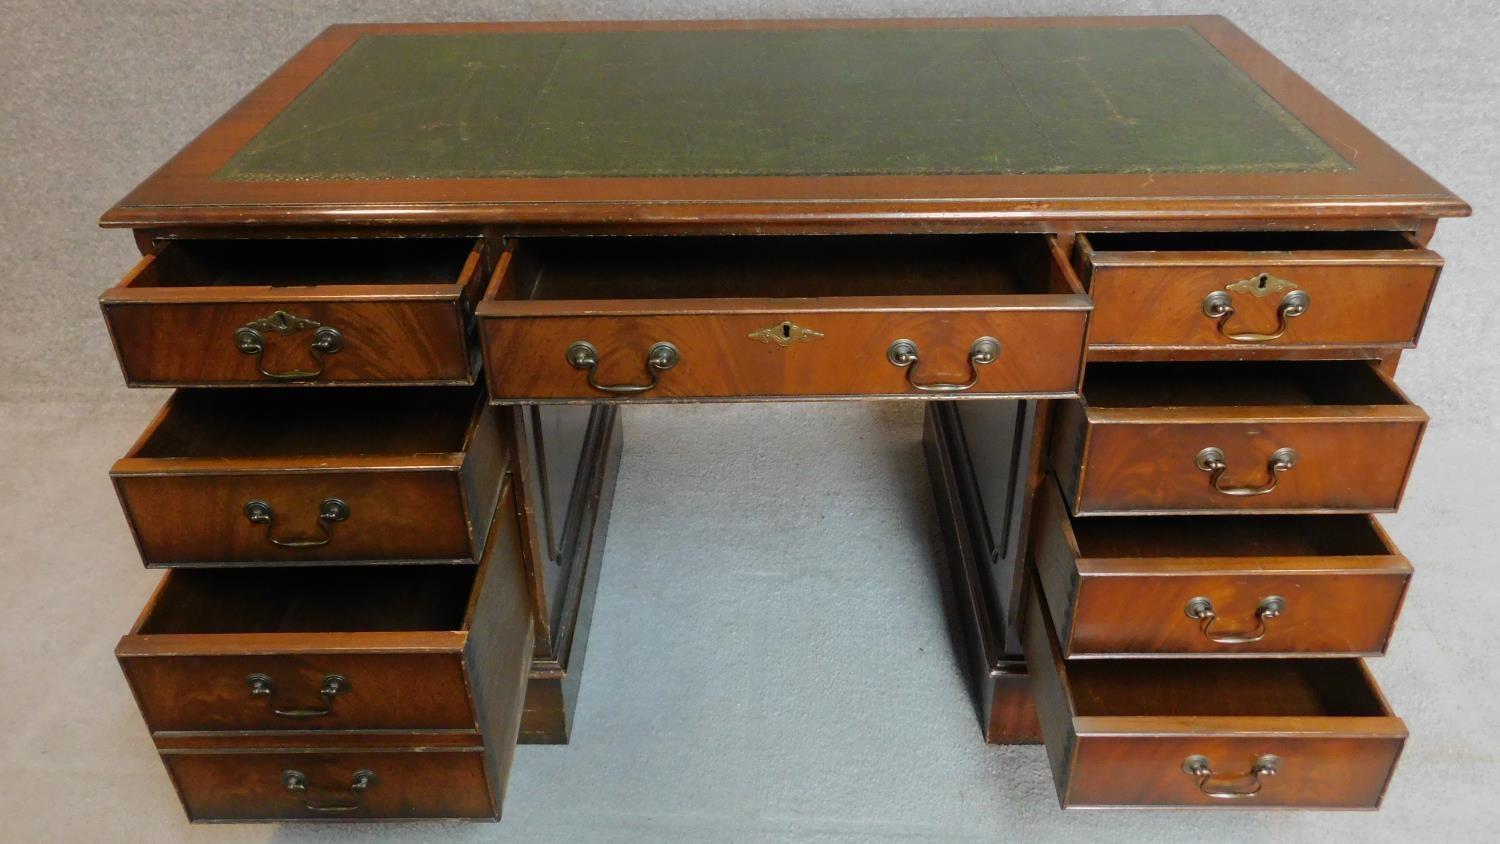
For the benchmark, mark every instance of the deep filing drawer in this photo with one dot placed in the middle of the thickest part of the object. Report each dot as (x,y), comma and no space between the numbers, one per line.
(1244,291)
(1215,586)
(312,476)
(1307,733)
(299,311)
(1289,437)
(586,318)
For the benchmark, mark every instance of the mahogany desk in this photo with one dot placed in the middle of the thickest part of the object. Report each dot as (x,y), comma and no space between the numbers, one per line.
(1152,284)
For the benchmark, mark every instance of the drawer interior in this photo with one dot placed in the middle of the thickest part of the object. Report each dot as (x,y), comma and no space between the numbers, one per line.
(1238,383)
(1251,241)
(341,422)
(306,262)
(311,600)
(767,266)
(1240,536)
(1210,688)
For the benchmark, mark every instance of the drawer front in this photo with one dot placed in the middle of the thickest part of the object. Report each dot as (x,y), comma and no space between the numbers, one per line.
(1301,610)
(1336,611)
(1350,465)
(1114,589)
(301,691)
(730,354)
(1243,300)
(284,517)
(356,785)
(288,341)
(1311,771)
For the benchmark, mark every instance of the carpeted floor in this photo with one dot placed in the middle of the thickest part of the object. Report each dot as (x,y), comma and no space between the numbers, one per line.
(768,659)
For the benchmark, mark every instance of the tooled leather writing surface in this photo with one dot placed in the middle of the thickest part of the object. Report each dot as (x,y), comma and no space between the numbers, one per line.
(780,102)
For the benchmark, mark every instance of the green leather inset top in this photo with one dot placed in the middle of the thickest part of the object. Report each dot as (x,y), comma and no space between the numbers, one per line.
(780,103)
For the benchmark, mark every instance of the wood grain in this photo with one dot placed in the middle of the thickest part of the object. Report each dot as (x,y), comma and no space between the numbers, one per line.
(1117,731)
(434,711)
(1118,586)
(1148,290)
(411,784)
(1140,427)
(173,321)
(1038,316)
(1383,184)
(419,480)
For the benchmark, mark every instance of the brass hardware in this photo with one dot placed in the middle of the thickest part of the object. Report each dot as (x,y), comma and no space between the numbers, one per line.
(363,780)
(1260,286)
(250,339)
(1201,610)
(330,511)
(334,685)
(660,357)
(1249,785)
(785,334)
(904,354)
(1219,305)
(1212,460)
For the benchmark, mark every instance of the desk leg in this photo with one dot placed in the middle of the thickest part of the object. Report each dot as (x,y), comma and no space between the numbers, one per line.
(985,539)
(564,569)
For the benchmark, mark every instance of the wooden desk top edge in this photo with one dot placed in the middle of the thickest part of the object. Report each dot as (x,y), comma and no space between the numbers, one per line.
(1382,183)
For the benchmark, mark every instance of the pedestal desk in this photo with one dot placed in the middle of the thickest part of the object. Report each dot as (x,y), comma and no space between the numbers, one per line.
(1152,285)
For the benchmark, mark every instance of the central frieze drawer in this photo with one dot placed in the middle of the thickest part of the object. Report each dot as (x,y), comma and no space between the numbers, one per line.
(230,477)
(1271,437)
(590,318)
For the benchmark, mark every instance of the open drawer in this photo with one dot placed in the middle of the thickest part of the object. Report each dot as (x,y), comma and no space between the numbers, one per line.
(1212,586)
(1212,437)
(299,311)
(1308,733)
(590,318)
(363,474)
(1247,290)
(269,690)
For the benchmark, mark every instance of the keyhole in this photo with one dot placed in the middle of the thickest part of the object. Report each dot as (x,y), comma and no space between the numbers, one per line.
(786,330)
(1262,281)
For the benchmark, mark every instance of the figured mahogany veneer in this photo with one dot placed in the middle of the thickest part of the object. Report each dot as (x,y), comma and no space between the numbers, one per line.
(402,309)
(418,471)
(771,204)
(715,298)
(1120,585)
(432,664)
(1119,732)
(1132,444)
(1367,290)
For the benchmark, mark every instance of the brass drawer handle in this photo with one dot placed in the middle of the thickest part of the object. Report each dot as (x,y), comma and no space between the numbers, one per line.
(250,339)
(1218,305)
(363,780)
(1201,610)
(904,354)
(1236,788)
(332,510)
(334,685)
(1212,460)
(660,357)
